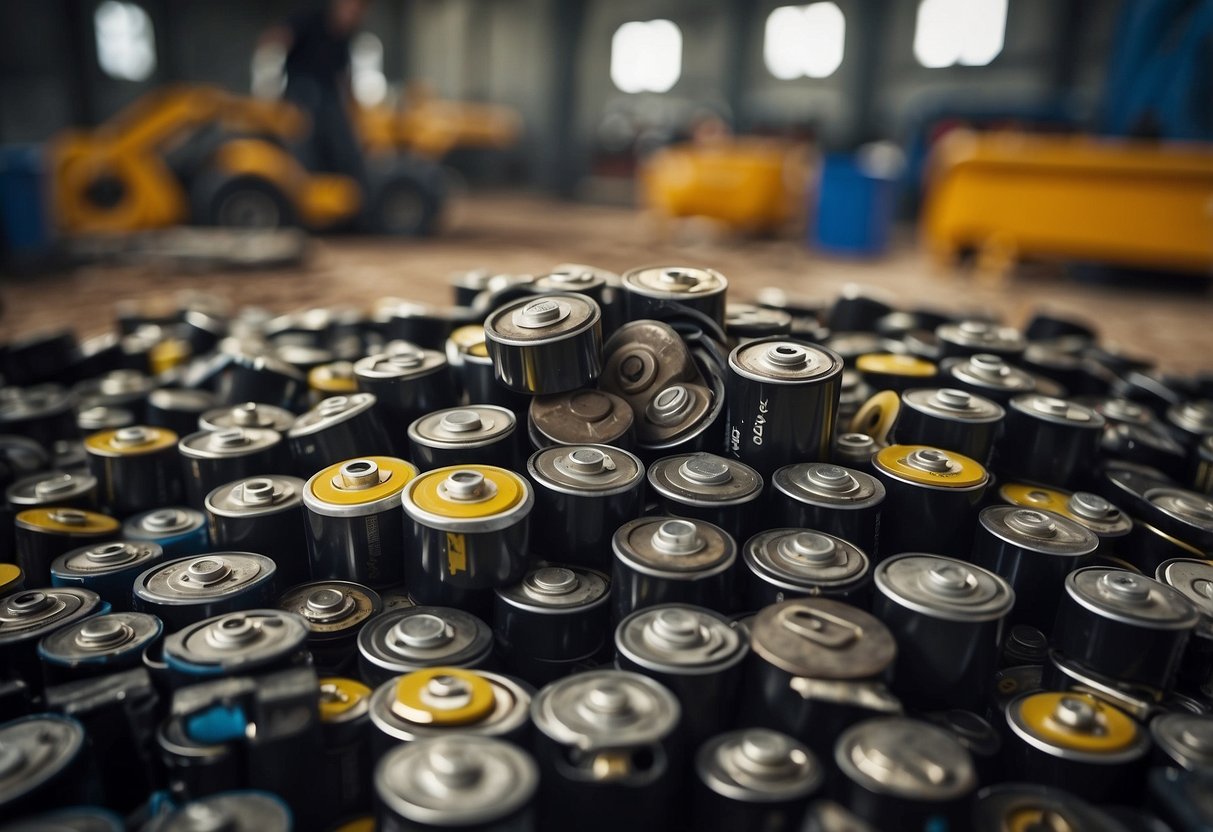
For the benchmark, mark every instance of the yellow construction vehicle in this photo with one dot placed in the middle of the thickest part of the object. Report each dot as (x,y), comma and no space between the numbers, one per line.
(431,128)
(199,155)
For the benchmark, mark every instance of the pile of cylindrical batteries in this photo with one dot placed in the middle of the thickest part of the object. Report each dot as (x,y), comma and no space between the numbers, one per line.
(587,551)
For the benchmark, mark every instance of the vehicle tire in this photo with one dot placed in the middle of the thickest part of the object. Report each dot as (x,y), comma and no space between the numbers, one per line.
(404,203)
(240,202)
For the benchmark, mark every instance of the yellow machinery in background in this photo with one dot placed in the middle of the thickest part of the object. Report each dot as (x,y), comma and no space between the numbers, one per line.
(752,185)
(1010,196)
(431,128)
(199,155)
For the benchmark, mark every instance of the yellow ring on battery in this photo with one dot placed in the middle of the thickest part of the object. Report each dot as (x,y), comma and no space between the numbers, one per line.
(481,699)
(102,442)
(167,354)
(400,474)
(480,350)
(10,573)
(425,494)
(1117,730)
(1173,540)
(334,385)
(94,522)
(467,336)
(1023,820)
(876,416)
(357,825)
(352,694)
(893,460)
(1036,496)
(892,364)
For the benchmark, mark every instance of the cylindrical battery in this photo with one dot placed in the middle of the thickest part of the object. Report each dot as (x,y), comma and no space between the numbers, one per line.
(582,417)
(1034,550)
(337,429)
(1191,422)
(42,534)
(819,665)
(178,409)
(355,530)
(553,622)
(184,591)
(705,486)
(236,811)
(178,530)
(801,563)
(965,338)
(264,515)
(672,561)
(830,499)
(335,612)
(137,468)
(247,415)
(656,291)
(47,764)
(127,389)
(981,739)
(45,413)
(212,458)
(855,450)
(890,371)
(480,384)
(97,646)
(695,653)
(550,344)
(407,384)
(1002,805)
(1049,440)
(1183,741)
(607,721)
(476,784)
(931,502)
(753,779)
(26,616)
(583,494)
(1194,578)
(903,775)
(1185,515)
(1077,742)
(950,419)
(415,638)
(947,617)
(260,378)
(242,643)
(745,322)
(108,569)
(345,724)
(331,378)
(1109,524)
(1125,626)
(781,396)
(478,434)
(440,701)
(65,489)
(1145,444)
(467,534)
(989,376)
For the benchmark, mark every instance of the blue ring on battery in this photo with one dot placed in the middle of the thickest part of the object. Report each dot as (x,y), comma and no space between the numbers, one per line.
(217,725)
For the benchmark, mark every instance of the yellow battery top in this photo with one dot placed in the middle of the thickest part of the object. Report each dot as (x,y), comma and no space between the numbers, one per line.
(359,481)
(167,354)
(468,492)
(892,364)
(333,379)
(466,337)
(1036,496)
(924,465)
(68,521)
(876,416)
(480,350)
(339,697)
(1076,722)
(135,440)
(10,578)
(357,825)
(442,696)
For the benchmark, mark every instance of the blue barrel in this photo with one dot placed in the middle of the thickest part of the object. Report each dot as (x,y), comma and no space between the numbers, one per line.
(25,228)
(855,207)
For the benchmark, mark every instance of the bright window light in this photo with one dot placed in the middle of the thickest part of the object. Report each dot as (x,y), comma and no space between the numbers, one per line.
(366,70)
(646,56)
(804,41)
(965,32)
(126,46)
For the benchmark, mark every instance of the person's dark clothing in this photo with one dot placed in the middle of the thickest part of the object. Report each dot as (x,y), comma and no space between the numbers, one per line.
(315,51)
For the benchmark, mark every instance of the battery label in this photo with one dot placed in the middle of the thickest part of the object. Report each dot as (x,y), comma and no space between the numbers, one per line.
(456,553)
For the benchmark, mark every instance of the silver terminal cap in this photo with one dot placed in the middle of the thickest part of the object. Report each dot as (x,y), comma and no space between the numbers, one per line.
(944,588)
(332,411)
(581,469)
(757,765)
(1058,411)
(823,639)
(992,372)
(102,558)
(674,282)
(535,320)
(50,488)
(553,588)
(235,640)
(1039,531)
(784,360)
(828,485)
(248,415)
(1185,738)
(953,404)
(198,578)
(411,362)
(414,638)
(605,709)
(34,750)
(238,811)
(227,442)
(255,496)
(29,613)
(703,478)
(456,781)
(802,560)
(98,636)
(674,547)
(680,639)
(1193,578)
(906,758)
(463,427)
(1188,507)
(1131,598)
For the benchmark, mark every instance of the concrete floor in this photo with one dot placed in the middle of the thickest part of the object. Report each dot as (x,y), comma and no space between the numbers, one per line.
(523,234)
